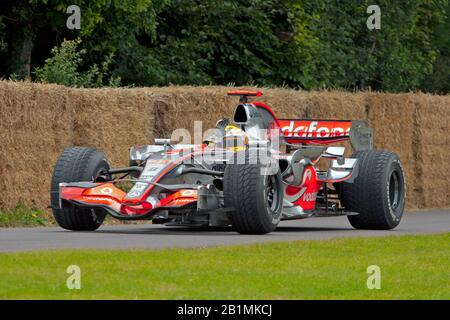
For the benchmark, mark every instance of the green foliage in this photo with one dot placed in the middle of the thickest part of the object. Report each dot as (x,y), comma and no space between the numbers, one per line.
(296,43)
(299,43)
(21,216)
(215,41)
(63,68)
(3,44)
(439,80)
(346,54)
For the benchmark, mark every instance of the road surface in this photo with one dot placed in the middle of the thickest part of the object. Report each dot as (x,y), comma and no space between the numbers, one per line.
(158,236)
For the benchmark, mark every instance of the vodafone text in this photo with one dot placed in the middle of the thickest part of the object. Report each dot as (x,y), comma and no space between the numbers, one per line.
(320,129)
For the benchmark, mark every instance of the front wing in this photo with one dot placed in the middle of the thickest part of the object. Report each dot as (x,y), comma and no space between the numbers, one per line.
(109,197)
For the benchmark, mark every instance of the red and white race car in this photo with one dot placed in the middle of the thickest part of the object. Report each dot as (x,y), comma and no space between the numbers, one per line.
(251,172)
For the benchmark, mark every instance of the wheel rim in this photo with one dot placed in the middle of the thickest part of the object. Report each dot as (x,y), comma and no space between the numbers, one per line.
(272,194)
(101,176)
(394,190)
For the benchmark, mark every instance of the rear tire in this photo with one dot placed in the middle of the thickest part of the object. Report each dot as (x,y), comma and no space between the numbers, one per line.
(257,199)
(77,164)
(378,192)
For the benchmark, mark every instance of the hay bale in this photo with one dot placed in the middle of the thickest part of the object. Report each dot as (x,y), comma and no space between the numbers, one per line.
(112,120)
(36,124)
(180,107)
(39,121)
(392,118)
(432,151)
(337,105)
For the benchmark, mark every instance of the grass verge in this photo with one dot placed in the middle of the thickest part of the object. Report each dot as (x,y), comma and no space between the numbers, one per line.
(412,267)
(21,216)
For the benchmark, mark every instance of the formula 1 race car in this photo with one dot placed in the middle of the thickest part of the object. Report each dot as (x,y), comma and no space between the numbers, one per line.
(250,172)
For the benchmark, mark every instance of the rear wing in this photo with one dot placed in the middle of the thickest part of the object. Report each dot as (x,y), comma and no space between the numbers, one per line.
(306,131)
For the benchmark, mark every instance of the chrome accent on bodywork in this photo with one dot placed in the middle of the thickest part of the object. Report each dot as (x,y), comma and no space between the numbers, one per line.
(348,164)
(346,170)
(298,161)
(141,153)
(295,212)
(334,152)
(162,142)
(334,175)
(61,185)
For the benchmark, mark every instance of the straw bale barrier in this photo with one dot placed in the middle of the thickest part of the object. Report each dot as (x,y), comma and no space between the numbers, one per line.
(38,121)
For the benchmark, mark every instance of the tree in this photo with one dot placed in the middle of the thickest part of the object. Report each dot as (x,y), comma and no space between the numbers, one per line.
(3,45)
(439,80)
(35,26)
(349,55)
(215,41)
(297,43)
(63,68)
(19,19)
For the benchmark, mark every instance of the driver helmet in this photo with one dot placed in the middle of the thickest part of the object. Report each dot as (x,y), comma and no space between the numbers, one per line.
(235,138)
(216,137)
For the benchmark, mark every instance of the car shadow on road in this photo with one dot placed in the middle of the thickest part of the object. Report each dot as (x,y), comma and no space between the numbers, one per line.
(170,231)
(310,229)
(208,231)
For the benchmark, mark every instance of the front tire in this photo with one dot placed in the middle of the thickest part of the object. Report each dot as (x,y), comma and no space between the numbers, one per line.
(378,193)
(77,164)
(257,198)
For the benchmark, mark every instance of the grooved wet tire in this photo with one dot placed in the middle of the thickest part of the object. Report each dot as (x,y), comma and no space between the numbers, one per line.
(378,192)
(257,210)
(77,164)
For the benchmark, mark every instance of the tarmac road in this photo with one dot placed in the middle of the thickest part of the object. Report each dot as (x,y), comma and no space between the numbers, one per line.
(159,236)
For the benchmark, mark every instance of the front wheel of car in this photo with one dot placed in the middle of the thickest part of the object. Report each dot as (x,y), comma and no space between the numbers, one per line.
(77,164)
(255,196)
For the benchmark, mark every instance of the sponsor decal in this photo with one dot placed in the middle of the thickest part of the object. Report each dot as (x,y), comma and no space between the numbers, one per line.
(188,193)
(137,190)
(158,161)
(311,196)
(151,170)
(315,129)
(294,193)
(97,199)
(106,190)
(181,201)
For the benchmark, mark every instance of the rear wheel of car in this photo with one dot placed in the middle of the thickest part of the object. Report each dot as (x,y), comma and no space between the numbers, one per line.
(256,197)
(78,164)
(378,192)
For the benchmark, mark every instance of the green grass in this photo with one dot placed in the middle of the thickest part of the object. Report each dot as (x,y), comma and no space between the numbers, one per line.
(412,267)
(21,216)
